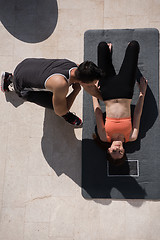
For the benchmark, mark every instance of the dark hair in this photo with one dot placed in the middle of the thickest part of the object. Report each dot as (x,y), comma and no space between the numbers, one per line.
(105,146)
(88,72)
(116,162)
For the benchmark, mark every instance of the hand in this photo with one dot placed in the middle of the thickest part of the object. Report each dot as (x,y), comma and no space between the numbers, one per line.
(76,87)
(143,86)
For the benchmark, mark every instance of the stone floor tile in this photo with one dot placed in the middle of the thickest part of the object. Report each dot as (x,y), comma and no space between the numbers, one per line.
(15,191)
(34,116)
(113,220)
(18,130)
(37,165)
(67,4)
(142,22)
(53,238)
(7,46)
(88,19)
(111,23)
(138,8)
(39,187)
(17,157)
(2,174)
(17,165)
(71,22)
(154,213)
(68,41)
(3,155)
(137,224)
(48,48)
(6,63)
(71,55)
(12,223)
(154,10)
(36,130)
(20,110)
(116,8)
(63,186)
(46,52)
(36,231)
(23,50)
(87,220)
(155,24)
(62,221)
(38,210)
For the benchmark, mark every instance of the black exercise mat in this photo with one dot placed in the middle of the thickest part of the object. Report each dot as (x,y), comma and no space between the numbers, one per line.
(97,182)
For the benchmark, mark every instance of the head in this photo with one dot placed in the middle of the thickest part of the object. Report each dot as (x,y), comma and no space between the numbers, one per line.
(115,151)
(88,72)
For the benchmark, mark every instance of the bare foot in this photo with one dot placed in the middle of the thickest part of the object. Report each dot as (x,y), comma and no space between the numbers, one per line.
(110,46)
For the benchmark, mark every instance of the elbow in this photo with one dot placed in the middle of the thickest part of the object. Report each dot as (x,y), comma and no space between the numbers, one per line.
(133,137)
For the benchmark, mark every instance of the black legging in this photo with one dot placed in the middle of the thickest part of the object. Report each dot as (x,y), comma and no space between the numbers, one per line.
(114,86)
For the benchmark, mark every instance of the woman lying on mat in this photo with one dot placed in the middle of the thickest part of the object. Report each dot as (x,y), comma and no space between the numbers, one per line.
(117,91)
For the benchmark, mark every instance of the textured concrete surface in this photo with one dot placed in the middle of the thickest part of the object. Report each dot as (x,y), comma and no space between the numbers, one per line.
(40,154)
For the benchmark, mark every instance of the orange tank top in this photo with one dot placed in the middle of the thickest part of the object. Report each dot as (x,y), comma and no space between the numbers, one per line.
(118,125)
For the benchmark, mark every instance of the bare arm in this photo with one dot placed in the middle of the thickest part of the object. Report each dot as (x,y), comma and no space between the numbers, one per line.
(61,103)
(138,109)
(99,120)
(92,90)
(71,97)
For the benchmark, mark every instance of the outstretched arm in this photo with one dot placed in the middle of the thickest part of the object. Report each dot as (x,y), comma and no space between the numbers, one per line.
(99,120)
(138,109)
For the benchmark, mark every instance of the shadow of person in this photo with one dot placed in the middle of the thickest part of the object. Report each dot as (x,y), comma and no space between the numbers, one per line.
(30,21)
(95,181)
(148,118)
(62,152)
(14,99)
(60,147)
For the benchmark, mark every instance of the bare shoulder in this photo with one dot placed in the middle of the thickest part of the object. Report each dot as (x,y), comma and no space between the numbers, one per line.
(57,83)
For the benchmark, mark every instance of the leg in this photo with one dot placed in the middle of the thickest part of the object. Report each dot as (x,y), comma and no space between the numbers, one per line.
(127,73)
(42,98)
(105,59)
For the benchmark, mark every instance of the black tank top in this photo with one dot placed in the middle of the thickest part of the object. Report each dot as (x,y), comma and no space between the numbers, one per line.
(33,72)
